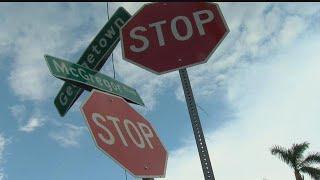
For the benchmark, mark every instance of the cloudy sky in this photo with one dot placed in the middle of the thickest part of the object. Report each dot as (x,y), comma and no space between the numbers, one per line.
(260,88)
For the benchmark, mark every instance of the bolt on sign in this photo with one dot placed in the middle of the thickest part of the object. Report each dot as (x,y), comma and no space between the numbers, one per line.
(87,79)
(124,135)
(93,57)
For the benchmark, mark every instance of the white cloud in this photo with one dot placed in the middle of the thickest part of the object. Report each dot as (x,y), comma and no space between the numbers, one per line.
(69,135)
(39,30)
(27,121)
(131,7)
(256,31)
(2,175)
(18,111)
(276,102)
(62,30)
(32,79)
(3,144)
(292,27)
(304,9)
(46,33)
(35,121)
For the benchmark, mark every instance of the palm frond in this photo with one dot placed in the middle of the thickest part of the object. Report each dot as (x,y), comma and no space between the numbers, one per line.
(311,171)
(298,150)
(284,154)
(311,159)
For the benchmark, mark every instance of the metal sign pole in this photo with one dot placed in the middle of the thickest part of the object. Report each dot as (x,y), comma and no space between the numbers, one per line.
(196,125)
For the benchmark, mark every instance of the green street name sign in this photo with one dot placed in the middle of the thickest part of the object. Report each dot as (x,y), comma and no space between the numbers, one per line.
(88,79)
(94,57)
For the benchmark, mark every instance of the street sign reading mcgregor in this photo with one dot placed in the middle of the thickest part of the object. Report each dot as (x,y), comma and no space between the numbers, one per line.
(93,57)
(88,78)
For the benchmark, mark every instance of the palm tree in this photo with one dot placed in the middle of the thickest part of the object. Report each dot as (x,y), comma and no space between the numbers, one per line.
(295,159)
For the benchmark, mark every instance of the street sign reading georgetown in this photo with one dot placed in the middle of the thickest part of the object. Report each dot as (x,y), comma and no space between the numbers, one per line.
(123,134)
(93,57)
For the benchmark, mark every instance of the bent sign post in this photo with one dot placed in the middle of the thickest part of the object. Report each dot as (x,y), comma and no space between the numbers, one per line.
(163,37)
(88,79)
(93,57)
(124,135)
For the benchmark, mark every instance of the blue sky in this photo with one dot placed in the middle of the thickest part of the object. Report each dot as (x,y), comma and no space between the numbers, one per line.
(260,88)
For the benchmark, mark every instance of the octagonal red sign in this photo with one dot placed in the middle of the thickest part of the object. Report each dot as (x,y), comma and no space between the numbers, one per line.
(124,135)
(166,36)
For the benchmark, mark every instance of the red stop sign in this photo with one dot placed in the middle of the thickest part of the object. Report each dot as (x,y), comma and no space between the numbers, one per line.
(124,135)
(163,37)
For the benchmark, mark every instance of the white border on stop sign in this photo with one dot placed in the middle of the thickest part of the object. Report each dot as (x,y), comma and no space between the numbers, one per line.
(182,67)
(86,120)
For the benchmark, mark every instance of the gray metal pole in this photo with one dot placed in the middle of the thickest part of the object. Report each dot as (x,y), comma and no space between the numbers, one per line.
(196,125)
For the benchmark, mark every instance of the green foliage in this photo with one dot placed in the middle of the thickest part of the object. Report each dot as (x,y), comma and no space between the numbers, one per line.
(313,158)
(295,159)
(284,154)
(311,171)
